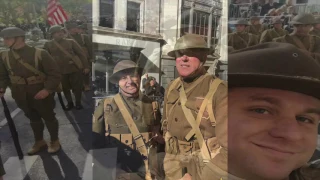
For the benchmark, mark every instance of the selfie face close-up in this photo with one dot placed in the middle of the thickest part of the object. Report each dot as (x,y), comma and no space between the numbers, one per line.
(272,134)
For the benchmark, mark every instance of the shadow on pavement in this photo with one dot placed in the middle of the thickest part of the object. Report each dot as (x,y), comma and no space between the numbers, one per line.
(68,167)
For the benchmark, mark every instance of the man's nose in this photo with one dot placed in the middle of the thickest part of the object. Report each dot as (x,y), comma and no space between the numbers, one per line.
(184,58)
(129,79)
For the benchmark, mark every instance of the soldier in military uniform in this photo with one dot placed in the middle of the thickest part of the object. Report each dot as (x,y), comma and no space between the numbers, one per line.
(241,39)
(316,28)
(275,32)
(129,120)
(84,41)
(72,62)
(300,37)
(256,27)
(32,76)
(83,29)
(194,113)
(273,114)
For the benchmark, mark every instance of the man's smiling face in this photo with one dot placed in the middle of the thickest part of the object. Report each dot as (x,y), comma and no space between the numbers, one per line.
(271,132)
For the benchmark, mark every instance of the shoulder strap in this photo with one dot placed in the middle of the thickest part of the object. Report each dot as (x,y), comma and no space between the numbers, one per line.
(140,144)
(106,102)
(206,104)
(28,66)
(298,43)
(189,116)
(5,58)
(175,85)
(37,57)
(246,43)
(63,50)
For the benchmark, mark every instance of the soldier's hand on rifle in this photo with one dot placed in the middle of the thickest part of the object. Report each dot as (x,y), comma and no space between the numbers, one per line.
(86,71)
(42,94)
(160,139)
(157,137)
(2,91)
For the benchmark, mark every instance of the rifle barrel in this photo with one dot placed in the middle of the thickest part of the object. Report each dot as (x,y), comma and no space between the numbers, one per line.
(12,128)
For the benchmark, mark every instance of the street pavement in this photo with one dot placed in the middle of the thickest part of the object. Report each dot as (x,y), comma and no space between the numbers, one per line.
(67,164)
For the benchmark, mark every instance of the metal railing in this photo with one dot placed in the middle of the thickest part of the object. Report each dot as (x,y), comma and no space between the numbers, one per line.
(243,10)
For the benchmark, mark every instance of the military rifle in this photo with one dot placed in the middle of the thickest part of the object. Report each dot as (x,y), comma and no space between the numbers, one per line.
(12,128)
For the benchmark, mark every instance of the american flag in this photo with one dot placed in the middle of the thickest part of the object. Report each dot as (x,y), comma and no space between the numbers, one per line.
(55,13)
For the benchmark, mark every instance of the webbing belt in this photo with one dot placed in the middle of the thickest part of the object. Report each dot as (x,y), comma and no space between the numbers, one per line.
(138,138)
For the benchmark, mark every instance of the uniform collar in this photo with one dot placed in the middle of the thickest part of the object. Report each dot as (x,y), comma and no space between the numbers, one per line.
(134,99)
(241,33)
(193,78)
(25,47)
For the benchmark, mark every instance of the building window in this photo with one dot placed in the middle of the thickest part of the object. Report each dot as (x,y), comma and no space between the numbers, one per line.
(106,13)
(133,16)
(200,24)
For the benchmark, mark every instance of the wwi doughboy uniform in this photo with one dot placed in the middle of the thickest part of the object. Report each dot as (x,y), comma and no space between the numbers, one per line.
(316,31)
(255,29)
(27,71)
(86,44)
(71,61)
(128,124)
(270,34)
(261,66)
(307,43)
(241,40)
(194,116)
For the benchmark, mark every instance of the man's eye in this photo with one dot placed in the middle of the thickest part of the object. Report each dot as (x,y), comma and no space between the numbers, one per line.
(305,120)
(260,111)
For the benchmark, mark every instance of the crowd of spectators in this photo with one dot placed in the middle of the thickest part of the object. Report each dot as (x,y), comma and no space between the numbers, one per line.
(248,8)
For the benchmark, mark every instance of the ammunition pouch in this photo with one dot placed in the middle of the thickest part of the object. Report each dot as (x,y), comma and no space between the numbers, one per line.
(29,80)
(175,146)
(128,139)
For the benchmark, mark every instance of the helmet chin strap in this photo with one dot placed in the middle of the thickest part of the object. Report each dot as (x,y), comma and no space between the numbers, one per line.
(15,41)
(195,73)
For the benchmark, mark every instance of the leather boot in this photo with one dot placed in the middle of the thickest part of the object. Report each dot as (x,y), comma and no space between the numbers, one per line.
(37,147)
(54,146)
